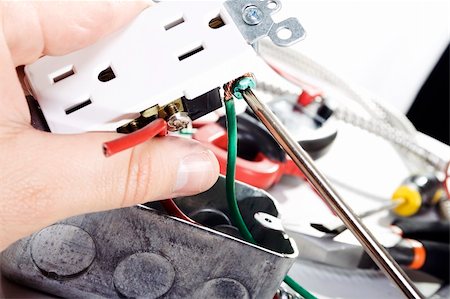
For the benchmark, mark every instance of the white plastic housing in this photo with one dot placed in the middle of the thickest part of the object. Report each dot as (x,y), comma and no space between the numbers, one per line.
(145,58)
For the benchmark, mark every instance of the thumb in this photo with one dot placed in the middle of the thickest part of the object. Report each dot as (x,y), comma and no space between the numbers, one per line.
(57,176)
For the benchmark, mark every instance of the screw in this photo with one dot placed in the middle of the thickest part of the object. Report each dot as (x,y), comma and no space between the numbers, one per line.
(179,121)
(134,125)
(171,109)
(252,15)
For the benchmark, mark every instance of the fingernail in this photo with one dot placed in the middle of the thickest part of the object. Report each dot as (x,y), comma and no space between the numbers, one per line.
(196,173)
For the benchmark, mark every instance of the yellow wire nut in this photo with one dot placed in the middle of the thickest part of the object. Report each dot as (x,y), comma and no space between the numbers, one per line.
(412,201)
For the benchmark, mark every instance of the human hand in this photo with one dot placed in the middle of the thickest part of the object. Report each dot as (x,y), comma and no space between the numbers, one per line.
(47,177)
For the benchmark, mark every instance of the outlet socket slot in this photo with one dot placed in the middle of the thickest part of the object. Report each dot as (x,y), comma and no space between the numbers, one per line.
(191,53)
(77,107)
(106,75)
(62,73)
(174,23)
(216,22)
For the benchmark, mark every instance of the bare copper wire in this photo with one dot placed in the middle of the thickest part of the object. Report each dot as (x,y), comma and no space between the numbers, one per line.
(228,87)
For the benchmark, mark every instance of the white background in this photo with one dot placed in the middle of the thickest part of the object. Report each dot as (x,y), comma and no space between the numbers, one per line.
(386,47)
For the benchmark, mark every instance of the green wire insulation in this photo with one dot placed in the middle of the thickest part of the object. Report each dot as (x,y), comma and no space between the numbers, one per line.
(298,288)
(236,216)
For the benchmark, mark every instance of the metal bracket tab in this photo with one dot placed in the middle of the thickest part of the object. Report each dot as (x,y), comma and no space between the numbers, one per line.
(253,18)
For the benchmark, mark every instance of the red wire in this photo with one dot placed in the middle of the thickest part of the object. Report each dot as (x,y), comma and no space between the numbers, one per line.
(156,127)
(447,180)
(173,210)
(293,79)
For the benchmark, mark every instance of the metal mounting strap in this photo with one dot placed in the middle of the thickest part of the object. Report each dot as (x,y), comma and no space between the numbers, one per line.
(254,20)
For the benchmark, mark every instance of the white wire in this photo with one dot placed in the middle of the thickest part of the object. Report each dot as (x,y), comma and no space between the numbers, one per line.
(386,123)
(304,64)
(390,134)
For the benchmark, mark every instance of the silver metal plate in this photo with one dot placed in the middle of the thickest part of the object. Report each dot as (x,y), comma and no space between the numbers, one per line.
(254,20)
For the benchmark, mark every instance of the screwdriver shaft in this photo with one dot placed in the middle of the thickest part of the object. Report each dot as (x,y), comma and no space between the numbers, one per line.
(327,192)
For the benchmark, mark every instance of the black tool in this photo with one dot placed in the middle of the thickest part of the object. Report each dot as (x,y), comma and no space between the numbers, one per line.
(436,231)
(427,256)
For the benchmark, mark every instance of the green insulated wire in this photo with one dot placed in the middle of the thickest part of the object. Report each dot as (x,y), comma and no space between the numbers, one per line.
(298,288)
(236,216)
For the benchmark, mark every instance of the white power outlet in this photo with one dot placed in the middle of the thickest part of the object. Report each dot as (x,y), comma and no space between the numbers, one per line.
(171,50)
(167,52)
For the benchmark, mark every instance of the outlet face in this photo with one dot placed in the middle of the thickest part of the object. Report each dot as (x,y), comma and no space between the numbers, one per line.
(173,49)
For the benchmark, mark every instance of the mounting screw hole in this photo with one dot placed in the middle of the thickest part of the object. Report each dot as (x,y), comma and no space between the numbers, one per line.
(272,5)
(284,33)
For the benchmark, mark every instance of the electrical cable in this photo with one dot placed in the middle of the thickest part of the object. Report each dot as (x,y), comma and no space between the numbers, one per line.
(366,194)
(390,134)
(306,65)
(236,216)
(289,77)
(277,91)
(384,115)
(156,127)
(373,126)
(173,210)
(159,127)
(379,111)
(298,288)
(273,90)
